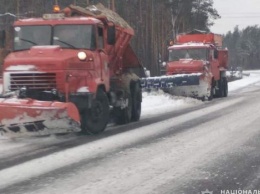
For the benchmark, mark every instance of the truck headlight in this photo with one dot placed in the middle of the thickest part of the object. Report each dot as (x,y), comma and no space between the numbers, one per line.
(82,56)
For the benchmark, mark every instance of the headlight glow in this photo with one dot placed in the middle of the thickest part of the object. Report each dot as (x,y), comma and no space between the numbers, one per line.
(82,56)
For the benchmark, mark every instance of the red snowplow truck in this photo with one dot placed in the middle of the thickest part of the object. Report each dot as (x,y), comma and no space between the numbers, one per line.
(196,67)
(69,71)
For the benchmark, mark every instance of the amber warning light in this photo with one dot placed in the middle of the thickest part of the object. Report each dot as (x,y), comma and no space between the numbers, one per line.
(171,43)
(56,9)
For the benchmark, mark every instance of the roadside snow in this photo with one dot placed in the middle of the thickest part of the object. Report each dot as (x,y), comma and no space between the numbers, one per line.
(155,103)
(253,78)
(158,102)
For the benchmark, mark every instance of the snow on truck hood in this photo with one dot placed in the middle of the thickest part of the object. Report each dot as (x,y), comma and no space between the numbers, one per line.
(20,68)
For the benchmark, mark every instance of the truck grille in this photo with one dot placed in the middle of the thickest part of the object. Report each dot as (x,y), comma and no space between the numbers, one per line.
(37,81)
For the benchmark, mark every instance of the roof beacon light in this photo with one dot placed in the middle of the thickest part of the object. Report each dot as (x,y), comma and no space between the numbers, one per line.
(171,43)
(56,9)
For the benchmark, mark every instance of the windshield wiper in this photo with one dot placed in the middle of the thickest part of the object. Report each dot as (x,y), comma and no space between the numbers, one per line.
(26,40)
(68,44)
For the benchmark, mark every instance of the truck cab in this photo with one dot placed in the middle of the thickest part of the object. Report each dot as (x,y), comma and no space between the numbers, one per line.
(65,48)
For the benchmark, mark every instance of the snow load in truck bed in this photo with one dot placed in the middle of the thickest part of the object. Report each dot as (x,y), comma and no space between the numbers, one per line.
(100,10)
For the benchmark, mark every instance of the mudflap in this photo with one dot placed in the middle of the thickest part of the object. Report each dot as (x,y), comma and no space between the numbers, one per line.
(28,117)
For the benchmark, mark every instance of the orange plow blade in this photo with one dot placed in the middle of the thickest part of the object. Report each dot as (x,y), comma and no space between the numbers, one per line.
(28,117)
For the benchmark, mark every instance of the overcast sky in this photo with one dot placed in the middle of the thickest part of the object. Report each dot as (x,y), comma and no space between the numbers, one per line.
(236,12)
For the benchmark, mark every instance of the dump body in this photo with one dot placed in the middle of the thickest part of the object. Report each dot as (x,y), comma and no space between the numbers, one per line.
(208,38)
(74,58)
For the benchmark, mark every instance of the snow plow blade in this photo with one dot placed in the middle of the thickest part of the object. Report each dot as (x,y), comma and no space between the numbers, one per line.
(165,82)
(28,117)
(189,85)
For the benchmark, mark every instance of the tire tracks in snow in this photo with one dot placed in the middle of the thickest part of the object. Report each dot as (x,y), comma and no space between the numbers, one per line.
(43,146)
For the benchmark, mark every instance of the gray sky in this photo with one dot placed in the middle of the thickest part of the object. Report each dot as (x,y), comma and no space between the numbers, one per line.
(236,12)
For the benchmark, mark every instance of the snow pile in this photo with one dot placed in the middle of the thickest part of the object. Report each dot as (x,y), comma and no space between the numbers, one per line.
(158,102)
(253,78)
(234,74)
(155,103)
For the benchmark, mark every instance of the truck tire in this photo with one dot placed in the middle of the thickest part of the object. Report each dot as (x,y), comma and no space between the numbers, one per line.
(95,119)
(221,89)
(225,87)
(136,102)
(123,116)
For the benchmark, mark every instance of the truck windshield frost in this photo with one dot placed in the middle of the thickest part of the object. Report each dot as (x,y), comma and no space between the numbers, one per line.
(194,53)
(67,36)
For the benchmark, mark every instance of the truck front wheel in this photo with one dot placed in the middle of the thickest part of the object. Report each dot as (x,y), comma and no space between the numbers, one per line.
(95,119)
(137,102)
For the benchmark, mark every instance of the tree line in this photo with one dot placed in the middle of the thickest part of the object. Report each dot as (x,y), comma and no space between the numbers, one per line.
(155,22)
(244,47)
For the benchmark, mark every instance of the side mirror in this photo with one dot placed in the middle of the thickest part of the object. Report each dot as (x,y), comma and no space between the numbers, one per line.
(164,64)
(111,34)
(215,54)
(147,73)
(2,39)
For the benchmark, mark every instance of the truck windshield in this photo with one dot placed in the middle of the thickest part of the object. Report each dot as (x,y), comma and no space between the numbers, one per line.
(75,36)
(28,36)
(67,36)
(194,53)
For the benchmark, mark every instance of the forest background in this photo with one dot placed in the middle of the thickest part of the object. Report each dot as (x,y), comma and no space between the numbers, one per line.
(155,22)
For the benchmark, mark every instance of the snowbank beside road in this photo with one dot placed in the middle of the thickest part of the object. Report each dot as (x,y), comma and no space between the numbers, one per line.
(158,102)
(254,77)
(155,103)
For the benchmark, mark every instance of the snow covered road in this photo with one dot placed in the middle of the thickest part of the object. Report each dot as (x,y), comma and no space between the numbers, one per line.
(181,145)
